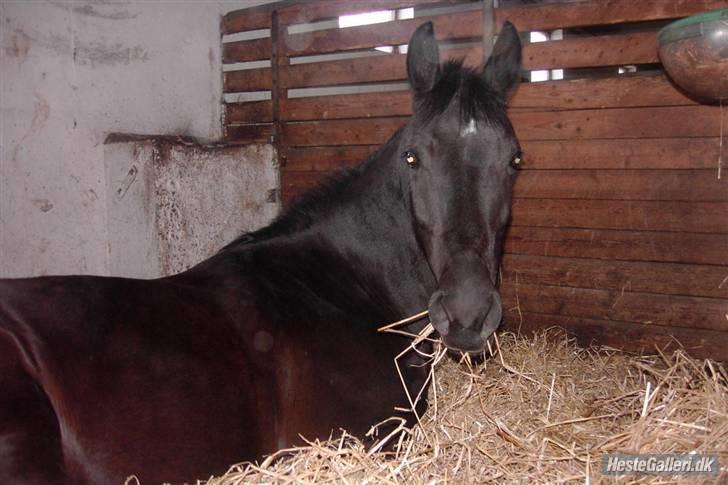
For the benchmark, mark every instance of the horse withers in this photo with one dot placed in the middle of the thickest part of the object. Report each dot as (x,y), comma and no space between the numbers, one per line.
(275,336)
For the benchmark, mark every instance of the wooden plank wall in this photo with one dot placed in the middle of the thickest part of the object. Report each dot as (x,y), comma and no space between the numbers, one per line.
(620,222)
(250,121)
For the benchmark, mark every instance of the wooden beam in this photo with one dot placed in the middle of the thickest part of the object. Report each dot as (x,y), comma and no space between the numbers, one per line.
(668,247)
(655,185)
(246,50)
(653,122)
(379,68)
(277,91)
(610,50)
(247,80)
(600,12)
(616,92)
(582,185)
(366,105)
(324,159)
(488,28)
(542,17)
(612,92)
(630,215)
(605,50)
(245,134)
(625,306)
(640,153)
(648,122)
(451,26)
(252,112)
(346,132)
(311,11)
(247,19)
(641,277)
(631,337)
(295,183)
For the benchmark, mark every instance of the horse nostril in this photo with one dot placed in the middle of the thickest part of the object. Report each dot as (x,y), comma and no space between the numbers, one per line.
(493,317)
(438,314)
(440,320)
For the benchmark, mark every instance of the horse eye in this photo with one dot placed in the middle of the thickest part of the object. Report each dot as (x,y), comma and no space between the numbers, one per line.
(516,162)
(410,158)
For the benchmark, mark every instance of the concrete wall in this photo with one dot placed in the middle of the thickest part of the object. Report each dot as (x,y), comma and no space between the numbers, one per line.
(172,204)
(70,74)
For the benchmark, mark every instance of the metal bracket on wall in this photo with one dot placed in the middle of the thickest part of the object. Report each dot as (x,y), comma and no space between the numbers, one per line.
(131,176)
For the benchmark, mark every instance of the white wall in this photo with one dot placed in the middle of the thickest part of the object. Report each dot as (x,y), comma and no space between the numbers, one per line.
(72,72)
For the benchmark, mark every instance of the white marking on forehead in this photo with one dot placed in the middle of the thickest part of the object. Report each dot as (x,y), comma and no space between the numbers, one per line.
(470,129)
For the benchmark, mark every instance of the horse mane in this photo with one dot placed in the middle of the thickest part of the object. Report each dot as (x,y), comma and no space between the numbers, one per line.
(302,213)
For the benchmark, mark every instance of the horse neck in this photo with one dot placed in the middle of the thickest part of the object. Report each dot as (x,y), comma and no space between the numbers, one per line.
(360,253)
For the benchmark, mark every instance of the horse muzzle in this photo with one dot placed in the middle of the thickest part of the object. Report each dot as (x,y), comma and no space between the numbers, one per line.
(466,308)
(464,337)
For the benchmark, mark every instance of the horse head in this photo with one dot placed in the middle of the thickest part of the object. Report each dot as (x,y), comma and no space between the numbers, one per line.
(462,156)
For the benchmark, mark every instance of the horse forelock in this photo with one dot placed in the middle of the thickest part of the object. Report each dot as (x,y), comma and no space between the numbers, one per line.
(455,83)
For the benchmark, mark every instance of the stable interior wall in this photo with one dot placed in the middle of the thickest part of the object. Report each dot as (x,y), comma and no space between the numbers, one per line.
(71,73)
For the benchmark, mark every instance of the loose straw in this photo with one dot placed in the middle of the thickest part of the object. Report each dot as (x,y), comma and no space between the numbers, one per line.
(404,321)
(542,410)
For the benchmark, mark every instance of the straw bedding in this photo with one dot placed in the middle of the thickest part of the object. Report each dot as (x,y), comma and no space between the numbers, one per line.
(540,410)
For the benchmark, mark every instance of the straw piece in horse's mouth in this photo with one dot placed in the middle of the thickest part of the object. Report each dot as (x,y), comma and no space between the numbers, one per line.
(404,321)
(434,358)
(426,331)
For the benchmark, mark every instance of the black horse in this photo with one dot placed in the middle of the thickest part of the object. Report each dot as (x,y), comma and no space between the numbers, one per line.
(275,336)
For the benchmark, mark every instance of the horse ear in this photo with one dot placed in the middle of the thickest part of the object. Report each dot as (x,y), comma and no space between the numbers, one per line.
(503,69)
(423,59)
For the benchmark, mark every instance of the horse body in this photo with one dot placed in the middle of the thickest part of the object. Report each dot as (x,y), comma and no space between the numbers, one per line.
(233,359)
(198,365)
(274,337)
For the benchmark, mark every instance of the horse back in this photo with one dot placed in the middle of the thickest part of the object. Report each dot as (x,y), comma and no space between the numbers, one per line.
(109,377)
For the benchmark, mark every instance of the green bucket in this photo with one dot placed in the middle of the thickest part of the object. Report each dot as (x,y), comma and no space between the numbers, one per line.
(694,52)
